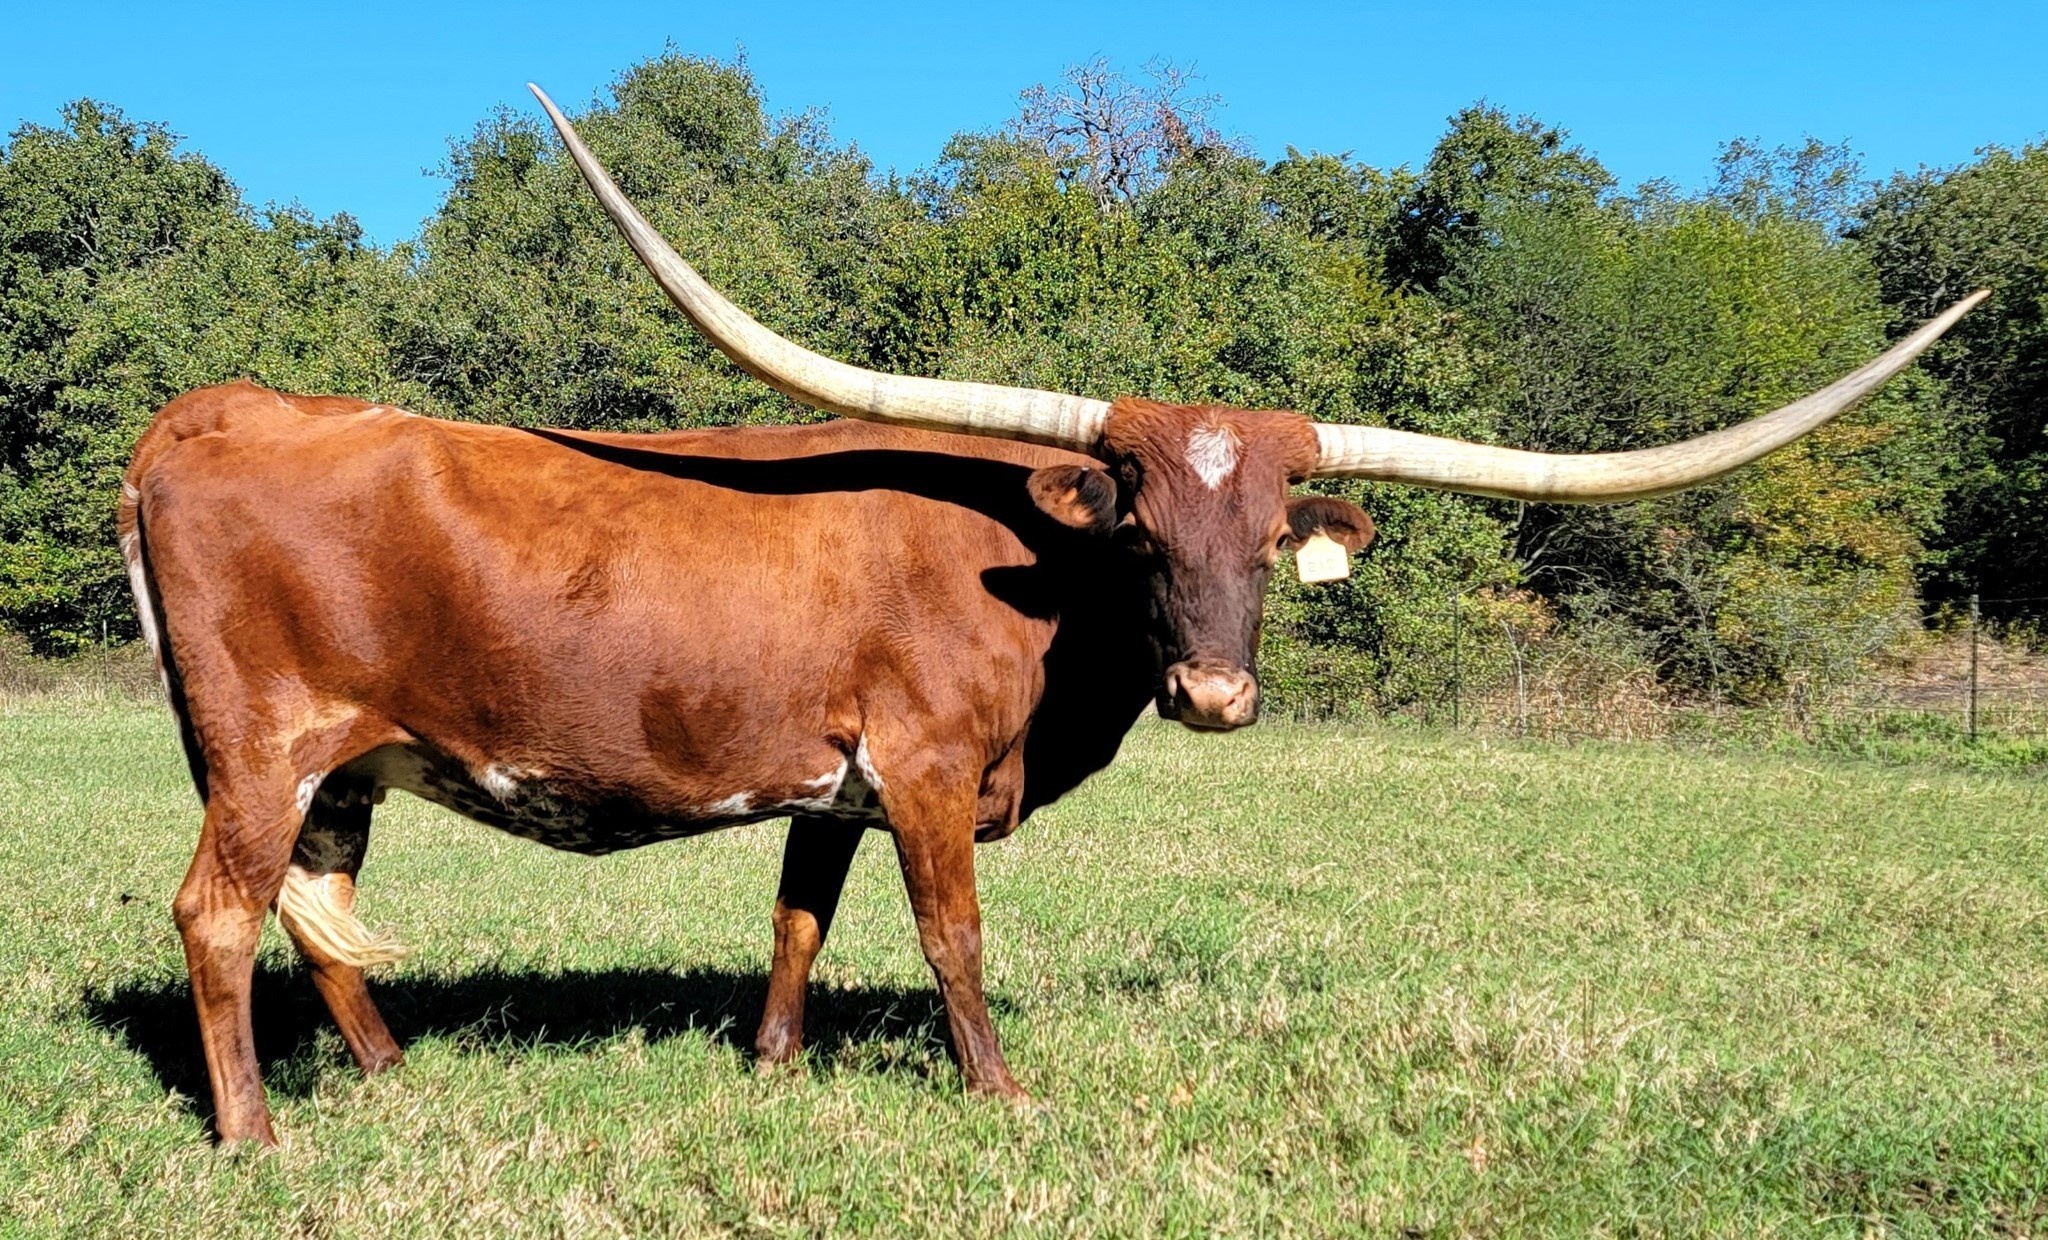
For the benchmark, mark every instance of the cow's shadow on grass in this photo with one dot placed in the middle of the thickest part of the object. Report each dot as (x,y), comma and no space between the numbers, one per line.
(516,1011)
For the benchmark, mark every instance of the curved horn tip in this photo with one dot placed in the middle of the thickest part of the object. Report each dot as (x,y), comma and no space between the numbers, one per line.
(1507,473)
(1963,305)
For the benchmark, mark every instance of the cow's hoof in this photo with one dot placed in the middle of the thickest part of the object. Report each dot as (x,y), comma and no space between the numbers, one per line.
(1010,1092)
(380,1063)
(247,1144)
(790,1068)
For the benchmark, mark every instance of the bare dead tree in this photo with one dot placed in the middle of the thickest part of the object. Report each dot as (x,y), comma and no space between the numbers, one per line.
(1116,136)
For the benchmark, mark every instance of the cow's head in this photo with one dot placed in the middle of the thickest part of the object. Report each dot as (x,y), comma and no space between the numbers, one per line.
(1199,496)
(1203,491)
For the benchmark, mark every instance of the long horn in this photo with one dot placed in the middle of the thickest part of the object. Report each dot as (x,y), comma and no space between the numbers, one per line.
(1609,477)
(1052,418)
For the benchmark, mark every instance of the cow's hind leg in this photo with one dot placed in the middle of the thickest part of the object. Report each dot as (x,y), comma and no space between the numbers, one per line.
(316,907)
(814,865)
(244,847)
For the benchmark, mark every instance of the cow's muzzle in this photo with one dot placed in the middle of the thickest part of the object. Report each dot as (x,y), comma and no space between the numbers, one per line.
(1211,696)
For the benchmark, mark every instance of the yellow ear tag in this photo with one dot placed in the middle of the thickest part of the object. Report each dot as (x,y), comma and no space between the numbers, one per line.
(1321,558)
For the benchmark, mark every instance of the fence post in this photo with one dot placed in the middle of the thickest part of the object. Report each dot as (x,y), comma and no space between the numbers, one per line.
(1974,626)
(1457,635)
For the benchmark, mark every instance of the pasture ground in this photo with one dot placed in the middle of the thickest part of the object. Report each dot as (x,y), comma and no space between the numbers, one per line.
(1295,980)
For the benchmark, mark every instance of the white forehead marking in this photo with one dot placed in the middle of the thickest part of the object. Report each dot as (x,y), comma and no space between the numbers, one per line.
(1212,454)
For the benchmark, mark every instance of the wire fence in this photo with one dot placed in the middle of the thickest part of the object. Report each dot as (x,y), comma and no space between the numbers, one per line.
(1970,672)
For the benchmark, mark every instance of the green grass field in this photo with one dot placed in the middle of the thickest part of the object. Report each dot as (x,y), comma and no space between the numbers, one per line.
(1289,981)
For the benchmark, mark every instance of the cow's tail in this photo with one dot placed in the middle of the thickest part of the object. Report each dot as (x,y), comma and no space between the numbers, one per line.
(314,908)
(149,610)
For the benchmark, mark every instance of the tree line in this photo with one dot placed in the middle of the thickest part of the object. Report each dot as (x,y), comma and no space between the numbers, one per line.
(1110,241)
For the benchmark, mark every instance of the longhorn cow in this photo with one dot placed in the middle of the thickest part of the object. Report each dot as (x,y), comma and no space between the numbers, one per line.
(930,620)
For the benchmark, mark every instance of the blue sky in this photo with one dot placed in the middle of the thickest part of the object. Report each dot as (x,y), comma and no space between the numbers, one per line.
(346,108)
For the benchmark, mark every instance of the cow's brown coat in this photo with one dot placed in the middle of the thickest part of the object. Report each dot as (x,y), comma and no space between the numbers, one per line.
(599,641)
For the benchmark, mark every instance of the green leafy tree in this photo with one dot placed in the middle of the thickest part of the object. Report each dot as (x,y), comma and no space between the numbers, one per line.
(1935,236)
(1487,163)
(129,273)
(1622,324)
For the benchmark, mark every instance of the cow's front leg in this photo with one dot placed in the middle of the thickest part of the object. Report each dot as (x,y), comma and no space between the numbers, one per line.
(814,865)
(935,843)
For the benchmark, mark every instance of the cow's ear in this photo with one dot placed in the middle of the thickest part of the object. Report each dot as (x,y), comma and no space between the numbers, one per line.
(1342,520)
(1076,496)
